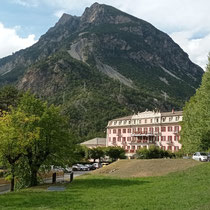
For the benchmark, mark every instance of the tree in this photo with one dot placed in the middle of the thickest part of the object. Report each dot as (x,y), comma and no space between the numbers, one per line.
(53,140)
(15,136)
(97,153)
(195,133)
(38,134)
(115,153)
(9,96)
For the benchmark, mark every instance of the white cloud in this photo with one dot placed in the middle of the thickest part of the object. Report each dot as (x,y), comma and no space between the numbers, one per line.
(10,42)
(197,48)
(27,3)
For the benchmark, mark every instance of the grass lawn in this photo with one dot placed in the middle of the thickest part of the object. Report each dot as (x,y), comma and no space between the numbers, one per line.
(189,189)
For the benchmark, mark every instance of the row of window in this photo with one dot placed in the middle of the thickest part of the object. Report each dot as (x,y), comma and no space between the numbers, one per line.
(174,148)
(156,138)
(145,121)
(145,130)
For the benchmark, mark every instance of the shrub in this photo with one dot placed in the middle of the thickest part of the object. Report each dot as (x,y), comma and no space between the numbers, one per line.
(153,152)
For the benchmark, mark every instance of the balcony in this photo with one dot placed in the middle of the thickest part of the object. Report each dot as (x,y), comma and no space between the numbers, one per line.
(170,142)
(143,133)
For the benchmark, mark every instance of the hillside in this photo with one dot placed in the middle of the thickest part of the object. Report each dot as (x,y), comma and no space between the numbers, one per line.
(102,65)
(145,168)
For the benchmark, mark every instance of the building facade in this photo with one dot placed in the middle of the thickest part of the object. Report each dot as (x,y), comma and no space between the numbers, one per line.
(147,128)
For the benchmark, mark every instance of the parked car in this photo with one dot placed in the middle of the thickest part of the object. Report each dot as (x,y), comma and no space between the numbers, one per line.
(104,164)
(200,156)
(80,167)
(90,166)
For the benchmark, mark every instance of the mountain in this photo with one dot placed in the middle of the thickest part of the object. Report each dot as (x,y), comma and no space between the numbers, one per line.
(103,65)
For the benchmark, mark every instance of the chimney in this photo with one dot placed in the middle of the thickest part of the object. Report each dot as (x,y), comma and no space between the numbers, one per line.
(172,111)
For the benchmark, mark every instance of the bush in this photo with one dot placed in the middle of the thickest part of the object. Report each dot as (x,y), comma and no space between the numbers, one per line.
(153,153)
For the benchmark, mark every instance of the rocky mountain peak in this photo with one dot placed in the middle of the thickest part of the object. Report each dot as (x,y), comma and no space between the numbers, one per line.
(64,19)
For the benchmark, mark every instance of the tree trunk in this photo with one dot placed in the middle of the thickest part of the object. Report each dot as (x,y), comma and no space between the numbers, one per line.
(12,186)
(34,181)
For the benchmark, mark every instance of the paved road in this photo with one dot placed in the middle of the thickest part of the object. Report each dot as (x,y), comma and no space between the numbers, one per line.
(5,187)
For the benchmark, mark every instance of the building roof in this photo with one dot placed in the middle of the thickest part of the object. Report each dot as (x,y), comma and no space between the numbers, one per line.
(163,114)
(95,141)
(173,113)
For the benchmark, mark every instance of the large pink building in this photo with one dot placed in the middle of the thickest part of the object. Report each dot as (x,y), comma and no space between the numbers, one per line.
(144,129)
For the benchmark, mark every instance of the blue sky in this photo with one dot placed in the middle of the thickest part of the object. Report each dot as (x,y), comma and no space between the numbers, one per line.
(22,22)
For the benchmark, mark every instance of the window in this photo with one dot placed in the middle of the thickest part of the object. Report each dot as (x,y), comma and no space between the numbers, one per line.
(124,139)
(115,122)
(124,122)
(176,148)
(156,129)
(134,121)
(139,130)
(133,147)
(157,138)
(157,120)
(139,121)
(119,131)
(129,130)
(145,130)
(114,130)
(119,139)
(129,122)
(163,119)
(150,120)
(114,139)
(169,147)
(176,128)
(145,120)
(170,118)
(163,129)
(138,147)
(128,147)
(176,138)
(170,128)
(163,138)
(177,118)
(170,138)
(124,130)
(120,122)
(163,148)
(128,138)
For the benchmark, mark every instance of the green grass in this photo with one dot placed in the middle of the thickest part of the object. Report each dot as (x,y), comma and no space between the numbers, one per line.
(180,190)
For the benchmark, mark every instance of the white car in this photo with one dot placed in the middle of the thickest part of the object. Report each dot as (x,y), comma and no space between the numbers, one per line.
(200,156)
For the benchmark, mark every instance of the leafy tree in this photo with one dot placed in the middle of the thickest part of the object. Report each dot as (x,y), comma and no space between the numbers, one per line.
(195,133)
(115,152)
(35,132)
(15,137)
(97,153)
(53,140)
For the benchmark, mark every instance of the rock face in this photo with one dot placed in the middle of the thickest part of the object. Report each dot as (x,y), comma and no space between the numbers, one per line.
(141,65)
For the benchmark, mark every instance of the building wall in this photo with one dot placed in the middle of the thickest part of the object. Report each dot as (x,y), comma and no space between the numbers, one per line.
(145,129)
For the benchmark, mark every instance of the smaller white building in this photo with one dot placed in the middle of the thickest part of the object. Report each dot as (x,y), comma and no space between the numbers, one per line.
(96,142)
(144,129)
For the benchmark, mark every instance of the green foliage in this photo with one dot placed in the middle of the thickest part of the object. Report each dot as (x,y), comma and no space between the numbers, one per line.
(9,96)
(97,153)
(153,152)
(31,135)
(195,133)
(115,153)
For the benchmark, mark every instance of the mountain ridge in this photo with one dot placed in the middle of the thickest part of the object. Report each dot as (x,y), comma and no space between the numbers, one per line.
(102,65)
